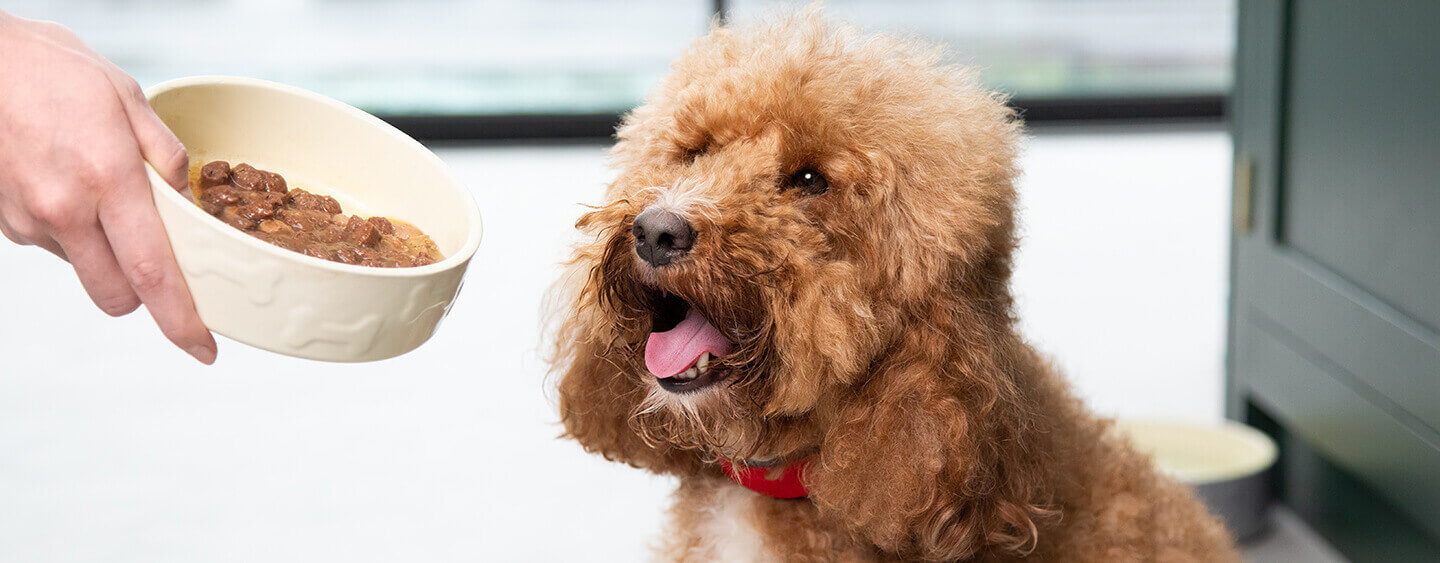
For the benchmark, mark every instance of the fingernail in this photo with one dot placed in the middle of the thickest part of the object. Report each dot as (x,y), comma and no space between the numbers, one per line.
(205,354)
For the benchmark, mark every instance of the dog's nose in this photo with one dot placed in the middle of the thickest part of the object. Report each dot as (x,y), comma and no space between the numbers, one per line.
(661,236)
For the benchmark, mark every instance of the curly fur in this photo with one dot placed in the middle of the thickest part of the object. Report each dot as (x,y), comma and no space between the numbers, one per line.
(872,324)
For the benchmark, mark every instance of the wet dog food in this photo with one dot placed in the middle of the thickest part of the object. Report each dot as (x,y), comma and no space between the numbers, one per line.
(260,203)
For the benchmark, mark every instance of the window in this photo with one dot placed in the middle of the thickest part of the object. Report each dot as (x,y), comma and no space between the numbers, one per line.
(413,57)
(564,59)
(1064,49)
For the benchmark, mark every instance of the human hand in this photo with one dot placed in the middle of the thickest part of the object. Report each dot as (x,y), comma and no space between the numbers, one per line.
(75,132)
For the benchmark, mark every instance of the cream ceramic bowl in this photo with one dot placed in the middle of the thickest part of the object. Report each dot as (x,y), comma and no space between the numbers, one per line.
(284,301)
(1226,464)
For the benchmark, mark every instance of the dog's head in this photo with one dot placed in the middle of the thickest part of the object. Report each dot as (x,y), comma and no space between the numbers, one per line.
(793,201)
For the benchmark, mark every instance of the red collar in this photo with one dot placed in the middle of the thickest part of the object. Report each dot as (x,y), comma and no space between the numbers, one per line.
(780,482)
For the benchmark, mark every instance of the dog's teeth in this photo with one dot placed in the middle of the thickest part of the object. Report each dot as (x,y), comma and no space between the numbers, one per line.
(703,361)
(691,373)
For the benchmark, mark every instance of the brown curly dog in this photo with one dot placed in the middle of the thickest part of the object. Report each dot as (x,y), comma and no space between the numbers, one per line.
(796,300)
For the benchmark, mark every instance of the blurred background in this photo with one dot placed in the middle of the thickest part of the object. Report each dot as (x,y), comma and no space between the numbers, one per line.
(115,447)
(590,58)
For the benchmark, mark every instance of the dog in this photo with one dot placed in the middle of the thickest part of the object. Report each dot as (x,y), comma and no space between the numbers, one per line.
(795,299)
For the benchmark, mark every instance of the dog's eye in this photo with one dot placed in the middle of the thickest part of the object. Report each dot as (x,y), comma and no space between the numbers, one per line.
(809,182)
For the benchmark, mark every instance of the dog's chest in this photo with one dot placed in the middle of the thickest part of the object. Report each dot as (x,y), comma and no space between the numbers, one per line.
(727,527)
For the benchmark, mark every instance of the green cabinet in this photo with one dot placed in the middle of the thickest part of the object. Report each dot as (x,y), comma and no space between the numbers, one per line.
(1334,338)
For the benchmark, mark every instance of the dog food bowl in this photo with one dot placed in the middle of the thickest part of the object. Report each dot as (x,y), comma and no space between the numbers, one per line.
(284,301)
(1226,464)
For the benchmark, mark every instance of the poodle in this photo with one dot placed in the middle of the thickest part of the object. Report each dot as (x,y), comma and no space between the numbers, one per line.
(795,299)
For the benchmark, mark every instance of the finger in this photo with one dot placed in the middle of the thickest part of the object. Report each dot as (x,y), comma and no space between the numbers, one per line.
(99,273)
(17,236)
(161,148)
(12,234)
(142,249)
(52,247)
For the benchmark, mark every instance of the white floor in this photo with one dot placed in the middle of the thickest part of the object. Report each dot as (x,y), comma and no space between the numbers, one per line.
(115,447)
(1290,540)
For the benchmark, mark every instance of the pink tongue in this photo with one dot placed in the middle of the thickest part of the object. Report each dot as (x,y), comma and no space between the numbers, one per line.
(670,353)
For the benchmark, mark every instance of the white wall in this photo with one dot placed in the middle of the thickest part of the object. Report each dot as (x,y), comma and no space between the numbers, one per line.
(1122,272)
(115,447)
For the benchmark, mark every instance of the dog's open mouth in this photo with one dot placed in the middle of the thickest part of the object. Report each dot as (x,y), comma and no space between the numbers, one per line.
(682,345)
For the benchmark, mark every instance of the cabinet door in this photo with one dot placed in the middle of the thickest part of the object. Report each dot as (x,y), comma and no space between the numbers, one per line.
(1335,306)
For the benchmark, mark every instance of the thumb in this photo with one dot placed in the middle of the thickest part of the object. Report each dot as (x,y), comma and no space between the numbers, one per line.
(158,145)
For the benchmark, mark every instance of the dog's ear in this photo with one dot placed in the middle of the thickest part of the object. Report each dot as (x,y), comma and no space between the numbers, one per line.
(923,458)
(597,406)
(598,401)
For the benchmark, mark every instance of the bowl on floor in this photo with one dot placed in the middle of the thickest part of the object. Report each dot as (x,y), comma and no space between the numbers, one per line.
(1227,464)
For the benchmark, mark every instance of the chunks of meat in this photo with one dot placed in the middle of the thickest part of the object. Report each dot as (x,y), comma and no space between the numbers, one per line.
(215,174)
(247,177)
(361,232)
(272,182)
(306,200)
(263,205)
